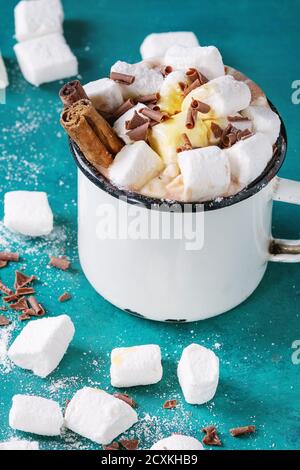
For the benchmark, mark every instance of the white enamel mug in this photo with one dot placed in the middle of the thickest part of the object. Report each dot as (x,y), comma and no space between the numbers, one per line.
(160,279)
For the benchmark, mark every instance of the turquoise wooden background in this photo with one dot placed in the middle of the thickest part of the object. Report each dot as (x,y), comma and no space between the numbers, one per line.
(259,383)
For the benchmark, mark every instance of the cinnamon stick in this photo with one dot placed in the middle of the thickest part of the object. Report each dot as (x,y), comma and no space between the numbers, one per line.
(72,92)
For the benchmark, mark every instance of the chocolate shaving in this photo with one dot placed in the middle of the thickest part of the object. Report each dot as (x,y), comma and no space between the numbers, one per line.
(191,118)
(145,99)
(153,106)
(129,444)
(191,87)
(126,106)
(124,397)
(153,115)
(216,130)
(200,107)
(64,297)
(235,432)
(113,446)
(5,289)
(22,279)
(122,78)
(9,256)
(21,304)
(37,308)
(237,118)
(166,70)
(211,438)
(10,298)
(3,264)
(182,86)
(186,144)
(139,133)
(136,121)
(72,92)
(59,263)
(25,315)
(170,404)
(245,134)
(4,321)
(194,74)
(25,291)
(229,139)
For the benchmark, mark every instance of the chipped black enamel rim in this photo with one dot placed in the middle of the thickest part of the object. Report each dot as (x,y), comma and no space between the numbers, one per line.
(162,204)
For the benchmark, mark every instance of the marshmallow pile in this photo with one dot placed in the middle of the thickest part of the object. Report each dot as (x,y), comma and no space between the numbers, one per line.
(42,52)
(214,131)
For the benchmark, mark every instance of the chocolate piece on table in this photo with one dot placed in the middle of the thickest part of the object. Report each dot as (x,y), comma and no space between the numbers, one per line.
(21,304)
(216,130)
(201,107)
(10,298)
(4,321)
(129,444)
(71,92)
(170,404)
(5,289)
(122,78)
(235,432)
(191,118)
(37,308)
(211,438)
(9,256)
(60,263)
(124,397)
(3,264)
(136,121)
(126,106)
(25,291)
(64,297)
(139,133)
(113,446)
(25,315)
(22,279)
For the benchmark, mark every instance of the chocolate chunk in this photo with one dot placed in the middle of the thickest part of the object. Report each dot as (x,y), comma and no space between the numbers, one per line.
(124,397)
(113,446)
(37,308)
(201,107)
(245,134)
(60,263)
(194,74)
(216,130)
(5,289)
(25,291)
(191,87)
(22,280)
(25,315)
(10,298)
(4,321)
(3,264)
(166,70)
(126,106)
(170,404)
(9,256)
(191,117)
(21,304)
(211,438)
(122,78)
(145,99)
(153,115)
(136,121)
(235,432)
(64,297)
(186,144)
(139,133)
(129,444)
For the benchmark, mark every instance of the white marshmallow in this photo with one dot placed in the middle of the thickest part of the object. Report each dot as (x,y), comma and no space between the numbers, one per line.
(147,80)
(207,60)
(42,344)
(156,44)
(171,95)
(225,96)
(28,213)
(135,165)
(19,444)
(98,416)
(105,94)
(265,121)
(205,172)
(198,374)
(37,415)
(178,442)
(248,158)
(3,74)
(120,123)
(38,18)
(46,59)
(137,365)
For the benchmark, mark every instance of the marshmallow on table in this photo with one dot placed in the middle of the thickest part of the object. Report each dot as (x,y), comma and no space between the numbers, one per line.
(120,123)
(137,365)
(207,60)
(205,172)
(135,165)
(28,213)
(98,416)
(178,442)
(42,344)
(37,18)
(45,59)
(3,74)
(265,121)
(19,444)
(146,82)
(225,96)
(248,158)
(156,44)
(198,374)
(36,415)
(105,94)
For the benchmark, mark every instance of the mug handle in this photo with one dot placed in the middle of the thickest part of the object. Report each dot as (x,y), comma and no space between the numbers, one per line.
(286,251)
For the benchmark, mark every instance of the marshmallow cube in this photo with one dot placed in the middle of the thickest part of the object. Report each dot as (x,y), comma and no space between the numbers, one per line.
(98,416)
(198,374)
(205,172)
(137,365)
(45,59)
(37,18)
(105,94)
(36,415)
(42,344)
(19,444)
(178,442)
(265,121)
(120,123)
(248,158)
(3,74)
(28,213)
(225,96)
(156,44)
(147,80)
(207,60)
(135,165)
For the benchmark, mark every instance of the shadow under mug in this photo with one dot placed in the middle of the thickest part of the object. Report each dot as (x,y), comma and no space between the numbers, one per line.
(160,279)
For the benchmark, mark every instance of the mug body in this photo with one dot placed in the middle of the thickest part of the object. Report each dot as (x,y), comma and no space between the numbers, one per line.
(210,270)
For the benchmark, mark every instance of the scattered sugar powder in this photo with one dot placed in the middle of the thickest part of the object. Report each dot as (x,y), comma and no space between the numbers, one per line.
(5,338)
